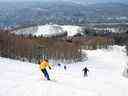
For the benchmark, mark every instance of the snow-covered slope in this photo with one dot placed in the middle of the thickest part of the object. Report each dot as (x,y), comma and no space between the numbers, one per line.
(72,30)
(104,78)
(51,30)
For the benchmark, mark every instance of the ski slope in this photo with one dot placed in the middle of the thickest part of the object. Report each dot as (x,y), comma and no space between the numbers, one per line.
(72,30)
(54,30)
(104,78)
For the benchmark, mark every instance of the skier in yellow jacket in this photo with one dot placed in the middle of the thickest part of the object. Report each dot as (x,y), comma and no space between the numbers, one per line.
(43,65)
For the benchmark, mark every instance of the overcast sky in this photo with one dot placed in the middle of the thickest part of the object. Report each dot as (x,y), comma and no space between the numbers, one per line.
(79,1)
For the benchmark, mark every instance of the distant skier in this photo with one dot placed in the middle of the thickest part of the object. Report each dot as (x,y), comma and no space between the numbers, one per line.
(43,65)
(85,71)
(65,67)
(59,64)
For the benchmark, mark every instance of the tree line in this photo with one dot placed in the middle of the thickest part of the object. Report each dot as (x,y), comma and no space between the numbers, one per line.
(55,48)
(28,48)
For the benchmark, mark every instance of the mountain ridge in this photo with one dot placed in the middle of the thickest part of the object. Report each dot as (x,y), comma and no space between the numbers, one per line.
(61,13)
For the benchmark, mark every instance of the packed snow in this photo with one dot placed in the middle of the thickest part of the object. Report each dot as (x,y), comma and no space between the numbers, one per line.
(72,30)
(104,78)
(50,30)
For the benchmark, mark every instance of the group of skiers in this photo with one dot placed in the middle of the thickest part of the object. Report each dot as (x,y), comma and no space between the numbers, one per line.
(44,64)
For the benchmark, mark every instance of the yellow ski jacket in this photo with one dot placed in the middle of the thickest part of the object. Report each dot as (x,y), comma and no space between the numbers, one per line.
(44,65)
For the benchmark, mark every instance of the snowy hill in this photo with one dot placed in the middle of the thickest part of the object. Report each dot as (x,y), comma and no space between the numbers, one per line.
(51,30)
(104,78)
(72,30)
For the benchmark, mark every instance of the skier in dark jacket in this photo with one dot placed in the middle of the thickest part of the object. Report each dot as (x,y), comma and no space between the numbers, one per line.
(85,71)
(59,64)
(65,67)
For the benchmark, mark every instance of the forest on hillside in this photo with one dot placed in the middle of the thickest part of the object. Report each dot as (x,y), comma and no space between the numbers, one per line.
(32,48)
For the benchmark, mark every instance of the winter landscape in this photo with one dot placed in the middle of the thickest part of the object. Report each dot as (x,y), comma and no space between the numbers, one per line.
(63,48)
(105,77)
